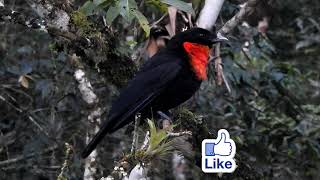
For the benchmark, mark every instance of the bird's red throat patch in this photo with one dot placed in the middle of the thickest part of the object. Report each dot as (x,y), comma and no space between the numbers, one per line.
(199,56)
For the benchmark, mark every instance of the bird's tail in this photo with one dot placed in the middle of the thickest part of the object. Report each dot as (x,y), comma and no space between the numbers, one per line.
(94,142)
(114,123)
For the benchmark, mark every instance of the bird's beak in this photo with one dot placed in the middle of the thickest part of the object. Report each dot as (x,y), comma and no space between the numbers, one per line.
(219,38)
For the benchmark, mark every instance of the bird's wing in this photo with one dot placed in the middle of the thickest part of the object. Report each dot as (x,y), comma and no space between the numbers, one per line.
(141,90)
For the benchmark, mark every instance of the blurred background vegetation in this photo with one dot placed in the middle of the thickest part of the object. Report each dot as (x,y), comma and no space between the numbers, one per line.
(271,63)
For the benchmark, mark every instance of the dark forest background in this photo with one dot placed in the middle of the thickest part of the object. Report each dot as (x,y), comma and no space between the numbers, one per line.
(271,62)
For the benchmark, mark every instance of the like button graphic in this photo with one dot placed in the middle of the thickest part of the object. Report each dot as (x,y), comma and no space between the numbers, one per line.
(218,154)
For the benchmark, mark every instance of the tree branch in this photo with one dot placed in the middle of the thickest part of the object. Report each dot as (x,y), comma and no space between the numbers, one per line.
(209,13)
(235,20)
(23,157)
(94,117)
(135,133)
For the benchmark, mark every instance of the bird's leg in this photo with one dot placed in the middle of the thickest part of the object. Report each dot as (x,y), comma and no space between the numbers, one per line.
(166,122)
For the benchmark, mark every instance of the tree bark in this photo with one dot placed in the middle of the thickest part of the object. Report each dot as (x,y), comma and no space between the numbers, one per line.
(209,14)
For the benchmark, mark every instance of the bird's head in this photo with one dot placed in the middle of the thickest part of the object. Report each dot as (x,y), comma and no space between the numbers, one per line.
(195,43)
(197,36)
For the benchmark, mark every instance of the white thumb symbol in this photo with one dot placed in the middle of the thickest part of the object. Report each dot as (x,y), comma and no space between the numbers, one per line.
(223,147)
(223,138)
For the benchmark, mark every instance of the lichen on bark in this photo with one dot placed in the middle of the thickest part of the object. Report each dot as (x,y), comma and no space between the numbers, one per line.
(98,48)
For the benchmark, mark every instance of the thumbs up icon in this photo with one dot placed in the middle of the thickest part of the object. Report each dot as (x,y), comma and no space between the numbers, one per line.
(218,154)
(222,145)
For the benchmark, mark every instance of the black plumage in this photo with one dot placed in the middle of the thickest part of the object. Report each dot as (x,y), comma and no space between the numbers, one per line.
(164,82)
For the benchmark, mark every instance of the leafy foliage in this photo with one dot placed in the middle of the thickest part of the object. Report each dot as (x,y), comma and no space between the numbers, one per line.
(129,10)
(157,146)
(181,5)
(272,112)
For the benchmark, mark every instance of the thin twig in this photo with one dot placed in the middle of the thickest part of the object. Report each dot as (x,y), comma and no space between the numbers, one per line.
(10,104)
(23,157)
(66,161)
(146,141)
(220,77)
(135,133)
(159,20)
(178,134)
(314,22)
(236,19)
(38,125)
(226,83)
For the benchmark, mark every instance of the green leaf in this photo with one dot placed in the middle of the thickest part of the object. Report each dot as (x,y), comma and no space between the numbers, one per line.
(159,5)
(126,9)
(98,2)
(89,8)
(159,144)
(92,7)
(183,6)
(142,21)
(156,136)
(103,3)
(112,13)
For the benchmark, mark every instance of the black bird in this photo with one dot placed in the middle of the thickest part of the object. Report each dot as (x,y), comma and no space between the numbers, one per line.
(165,81)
